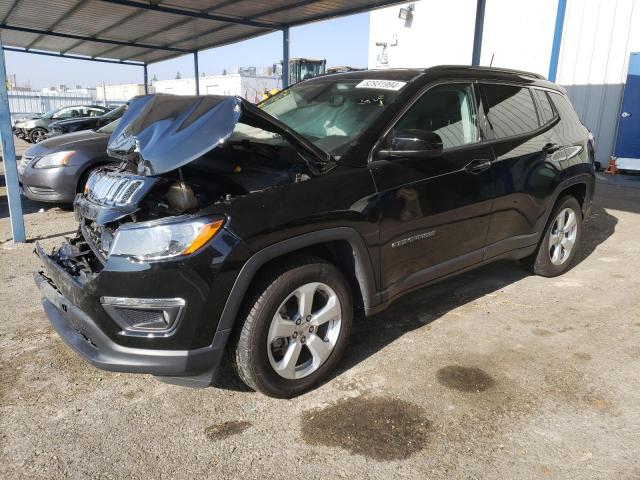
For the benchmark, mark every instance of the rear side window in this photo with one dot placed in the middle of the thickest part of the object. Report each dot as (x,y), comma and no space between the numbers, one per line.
(510,110)
(570,127)
(546,111)
(565,109)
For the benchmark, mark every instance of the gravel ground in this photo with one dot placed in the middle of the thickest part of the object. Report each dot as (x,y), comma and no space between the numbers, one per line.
(494,374)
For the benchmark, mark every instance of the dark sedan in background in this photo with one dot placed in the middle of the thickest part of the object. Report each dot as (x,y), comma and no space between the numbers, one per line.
(35,129)
(57,168)
(85,123)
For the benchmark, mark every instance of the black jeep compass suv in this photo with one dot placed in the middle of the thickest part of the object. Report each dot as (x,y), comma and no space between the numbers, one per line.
(259,231)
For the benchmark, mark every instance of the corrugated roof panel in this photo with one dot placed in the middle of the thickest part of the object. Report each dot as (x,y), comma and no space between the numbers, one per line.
(176,35)
(17,39)
(33,14)
(56,44)
(96,19)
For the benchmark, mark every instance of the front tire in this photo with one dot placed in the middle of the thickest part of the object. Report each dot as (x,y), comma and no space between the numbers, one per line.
(295,327)
(37,135)
(559,243)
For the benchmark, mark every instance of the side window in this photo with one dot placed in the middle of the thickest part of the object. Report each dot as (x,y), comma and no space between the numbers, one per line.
(64,113)
(570,127)
(565,109)
(449,111)
(546,109)
(510,110)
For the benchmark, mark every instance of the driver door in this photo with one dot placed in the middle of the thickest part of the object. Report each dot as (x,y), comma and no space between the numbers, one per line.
(434,211)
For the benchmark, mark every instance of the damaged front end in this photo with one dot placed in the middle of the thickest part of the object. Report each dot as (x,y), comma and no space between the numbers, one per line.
(138,289)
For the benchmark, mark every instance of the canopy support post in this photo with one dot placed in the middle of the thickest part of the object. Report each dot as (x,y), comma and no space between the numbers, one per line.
(195,69)
(9,157)
(146,80)
(557,40)
(285,57)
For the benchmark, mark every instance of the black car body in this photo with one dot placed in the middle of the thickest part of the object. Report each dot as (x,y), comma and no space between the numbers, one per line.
(84,123)
(56,169)
(35,129)
(342,190)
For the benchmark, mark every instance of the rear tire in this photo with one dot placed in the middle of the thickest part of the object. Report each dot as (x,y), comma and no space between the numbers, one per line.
(294,327)
(559,243)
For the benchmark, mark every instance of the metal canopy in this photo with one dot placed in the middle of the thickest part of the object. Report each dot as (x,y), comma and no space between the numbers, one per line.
(144,32)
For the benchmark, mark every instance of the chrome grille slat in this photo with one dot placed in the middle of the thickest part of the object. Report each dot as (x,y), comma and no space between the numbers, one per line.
(112,188)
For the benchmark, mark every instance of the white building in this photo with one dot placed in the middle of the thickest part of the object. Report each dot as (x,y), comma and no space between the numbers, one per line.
(250,87)
(598,37)
(119,93)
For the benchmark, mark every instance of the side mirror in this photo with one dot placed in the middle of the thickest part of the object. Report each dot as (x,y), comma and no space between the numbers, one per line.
(413,144)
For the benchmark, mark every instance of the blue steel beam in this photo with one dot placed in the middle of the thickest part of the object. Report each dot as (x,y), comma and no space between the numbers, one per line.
(72,57)
(557,40)
(477,35)
(9,157)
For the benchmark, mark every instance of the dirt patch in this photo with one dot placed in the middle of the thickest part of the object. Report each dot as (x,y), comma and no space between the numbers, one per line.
(465,379)
(582,356)
(376,427)
(541,332)
(224,430)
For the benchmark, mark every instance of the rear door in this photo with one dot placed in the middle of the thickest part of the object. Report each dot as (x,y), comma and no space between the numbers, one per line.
(526,150)
(434,212)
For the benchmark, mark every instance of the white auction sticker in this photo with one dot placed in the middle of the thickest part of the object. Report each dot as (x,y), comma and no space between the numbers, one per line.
(381,84)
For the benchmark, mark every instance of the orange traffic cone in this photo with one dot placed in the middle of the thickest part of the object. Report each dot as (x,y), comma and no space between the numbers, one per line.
(612,168)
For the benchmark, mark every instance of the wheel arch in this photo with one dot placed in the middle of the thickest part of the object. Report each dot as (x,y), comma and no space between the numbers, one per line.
(342,245)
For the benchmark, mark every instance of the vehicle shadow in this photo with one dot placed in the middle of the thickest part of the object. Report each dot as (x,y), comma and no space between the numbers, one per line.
(424,306)
(428,304)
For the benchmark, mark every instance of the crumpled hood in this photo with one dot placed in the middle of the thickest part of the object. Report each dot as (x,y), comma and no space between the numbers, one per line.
(162,132)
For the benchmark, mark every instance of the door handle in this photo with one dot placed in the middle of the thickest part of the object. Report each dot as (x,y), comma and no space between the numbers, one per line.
(551,147)
(477,166)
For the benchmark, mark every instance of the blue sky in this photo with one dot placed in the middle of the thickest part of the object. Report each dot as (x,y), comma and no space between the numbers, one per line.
(342,41)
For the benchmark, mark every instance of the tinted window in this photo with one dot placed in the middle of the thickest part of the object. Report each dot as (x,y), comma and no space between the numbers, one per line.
(546,110)
(565,108)
(449,111)
(510,110)
(569,128)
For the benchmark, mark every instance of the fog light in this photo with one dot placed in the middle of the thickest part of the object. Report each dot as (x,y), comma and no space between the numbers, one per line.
(150,317)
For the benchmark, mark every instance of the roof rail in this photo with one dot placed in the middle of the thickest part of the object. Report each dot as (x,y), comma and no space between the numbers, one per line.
(513,71)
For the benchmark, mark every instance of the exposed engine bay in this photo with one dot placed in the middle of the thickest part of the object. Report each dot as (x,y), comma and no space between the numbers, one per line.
(180,156)
(115,195)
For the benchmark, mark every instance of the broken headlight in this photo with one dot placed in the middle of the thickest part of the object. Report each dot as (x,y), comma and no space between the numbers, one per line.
(157,240)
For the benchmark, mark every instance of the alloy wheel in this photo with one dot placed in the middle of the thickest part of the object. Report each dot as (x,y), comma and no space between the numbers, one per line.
(562,236)
(304,330)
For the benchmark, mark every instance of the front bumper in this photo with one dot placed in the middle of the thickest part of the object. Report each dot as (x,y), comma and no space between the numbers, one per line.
(55,185)
(72,311)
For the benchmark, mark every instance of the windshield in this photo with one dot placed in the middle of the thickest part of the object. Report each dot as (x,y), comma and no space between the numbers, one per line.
(50,113)
(329,112)
(109,128)
(115,113)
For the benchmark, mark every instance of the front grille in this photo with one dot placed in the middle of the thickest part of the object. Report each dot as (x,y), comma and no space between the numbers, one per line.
(112,188)
(144,318)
